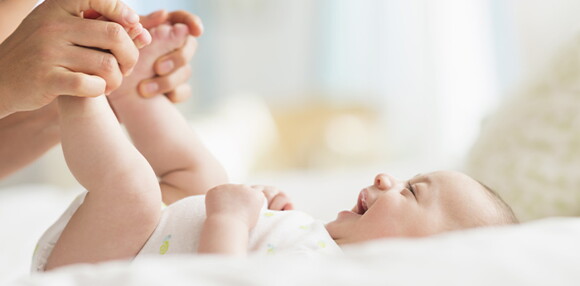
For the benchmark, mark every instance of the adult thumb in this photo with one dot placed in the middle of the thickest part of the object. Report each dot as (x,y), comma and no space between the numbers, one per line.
(113,10)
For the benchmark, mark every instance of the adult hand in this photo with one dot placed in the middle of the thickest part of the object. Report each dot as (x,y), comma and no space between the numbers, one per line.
(173,69)
(57,52)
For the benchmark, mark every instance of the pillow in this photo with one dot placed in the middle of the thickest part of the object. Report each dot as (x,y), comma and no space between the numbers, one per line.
(529,150)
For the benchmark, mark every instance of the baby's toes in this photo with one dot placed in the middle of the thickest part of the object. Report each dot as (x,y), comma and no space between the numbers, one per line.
(167,38)
(161,34)
(178,36)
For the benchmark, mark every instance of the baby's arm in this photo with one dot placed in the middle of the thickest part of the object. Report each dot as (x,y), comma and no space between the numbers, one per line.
(232,211)
(183,164)
(121,209)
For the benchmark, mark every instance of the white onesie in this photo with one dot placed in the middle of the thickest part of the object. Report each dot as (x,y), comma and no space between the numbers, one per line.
(276,232)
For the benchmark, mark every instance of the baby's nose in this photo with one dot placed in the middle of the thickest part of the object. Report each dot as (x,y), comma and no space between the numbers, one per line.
(384,181)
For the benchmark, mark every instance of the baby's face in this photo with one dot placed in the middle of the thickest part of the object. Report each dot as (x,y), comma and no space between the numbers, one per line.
(424,205)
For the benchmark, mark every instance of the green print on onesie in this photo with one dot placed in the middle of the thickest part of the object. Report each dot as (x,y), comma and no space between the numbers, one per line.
(271,249)
(165,245)
(269,214)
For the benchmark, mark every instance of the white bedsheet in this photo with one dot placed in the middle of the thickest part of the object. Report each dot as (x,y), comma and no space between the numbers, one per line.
(26,211)
(545,252)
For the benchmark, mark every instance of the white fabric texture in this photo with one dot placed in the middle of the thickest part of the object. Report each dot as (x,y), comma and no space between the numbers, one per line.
(178,232)
(536,253)
(48,239)
(276,231)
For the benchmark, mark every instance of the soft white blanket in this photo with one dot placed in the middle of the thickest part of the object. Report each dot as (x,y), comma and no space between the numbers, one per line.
(545,252)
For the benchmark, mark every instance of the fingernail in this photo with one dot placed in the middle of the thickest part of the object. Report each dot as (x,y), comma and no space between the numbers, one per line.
(139,43)
(143,39)
(135,31)
(131,17)
(151,88)
(166,66)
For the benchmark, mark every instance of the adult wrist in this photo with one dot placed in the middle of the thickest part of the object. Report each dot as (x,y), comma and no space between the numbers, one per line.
(6,108)
(6,104)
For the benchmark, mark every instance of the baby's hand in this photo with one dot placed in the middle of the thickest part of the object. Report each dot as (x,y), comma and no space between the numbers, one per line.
(238,202)
(277,200)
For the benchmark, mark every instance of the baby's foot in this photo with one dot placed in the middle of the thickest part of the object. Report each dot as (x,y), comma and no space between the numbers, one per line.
(165,39)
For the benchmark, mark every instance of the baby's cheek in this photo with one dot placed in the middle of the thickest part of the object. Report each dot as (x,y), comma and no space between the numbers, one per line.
(374,220)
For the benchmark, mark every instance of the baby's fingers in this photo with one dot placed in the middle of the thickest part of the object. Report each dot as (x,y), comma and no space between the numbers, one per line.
(277,200)
(280,202)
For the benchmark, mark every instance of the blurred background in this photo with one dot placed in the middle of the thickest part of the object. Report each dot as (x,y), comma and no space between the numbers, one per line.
(318,96)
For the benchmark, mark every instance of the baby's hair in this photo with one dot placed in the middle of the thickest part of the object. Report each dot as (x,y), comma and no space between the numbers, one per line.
(505,212)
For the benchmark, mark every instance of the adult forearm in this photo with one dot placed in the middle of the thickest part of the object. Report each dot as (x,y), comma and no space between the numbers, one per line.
(6,106)
(55,52)
(224,235)
(25,136)
(12,12)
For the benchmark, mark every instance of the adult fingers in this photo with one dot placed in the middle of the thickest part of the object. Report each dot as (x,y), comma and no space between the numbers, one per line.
(180,93)
(176,59)
(113,10)
(106,36)
(154,19)
(140,36)
(94,62)
(193,22)
(77,84)
(142,39)
(164,84)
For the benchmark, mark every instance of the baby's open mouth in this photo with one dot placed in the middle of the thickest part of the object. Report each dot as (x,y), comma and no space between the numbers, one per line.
(361,204)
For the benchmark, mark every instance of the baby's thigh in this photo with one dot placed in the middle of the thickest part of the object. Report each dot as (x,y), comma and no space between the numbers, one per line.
(106,227)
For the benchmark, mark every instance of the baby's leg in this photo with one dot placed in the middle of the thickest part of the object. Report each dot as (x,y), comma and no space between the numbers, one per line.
(121,209)
(178,157)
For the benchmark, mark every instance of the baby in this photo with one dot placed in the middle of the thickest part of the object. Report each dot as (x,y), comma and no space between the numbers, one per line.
(119,217)
(424,205)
